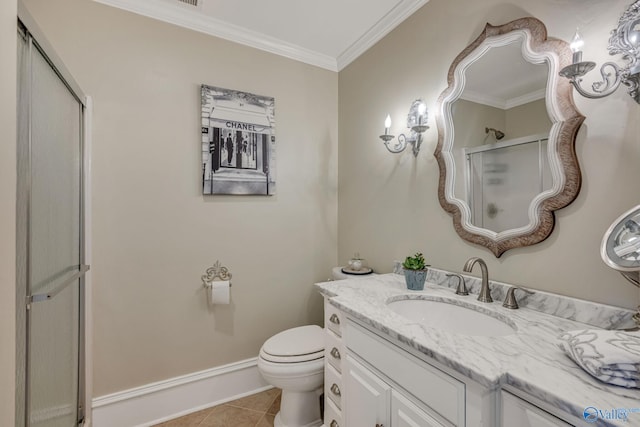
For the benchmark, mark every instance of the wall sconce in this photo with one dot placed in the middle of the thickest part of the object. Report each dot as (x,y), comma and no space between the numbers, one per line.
(416,121)
(625,41)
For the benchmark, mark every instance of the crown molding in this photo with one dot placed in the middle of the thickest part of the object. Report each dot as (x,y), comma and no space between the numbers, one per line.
(384,26)
(503,104)
(527,98)
(484,99)
(181,16)
(185,17)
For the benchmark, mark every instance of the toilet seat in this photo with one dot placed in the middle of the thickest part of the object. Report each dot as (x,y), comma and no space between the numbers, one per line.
(297,345)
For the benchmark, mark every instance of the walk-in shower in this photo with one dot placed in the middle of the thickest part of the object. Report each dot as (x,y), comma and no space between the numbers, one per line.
(50,237)
(503,178)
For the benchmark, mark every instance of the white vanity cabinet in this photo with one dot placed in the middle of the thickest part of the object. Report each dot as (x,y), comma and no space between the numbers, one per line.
(334,354)
(519,412)
(381,379)
(369,381)
(373,402)
(372,381)
(369,397)
(405,413)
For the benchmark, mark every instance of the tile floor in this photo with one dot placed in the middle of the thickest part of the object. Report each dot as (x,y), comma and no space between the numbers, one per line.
(257,410)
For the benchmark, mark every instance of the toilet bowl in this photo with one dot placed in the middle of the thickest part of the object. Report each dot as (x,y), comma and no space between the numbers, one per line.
(293,360)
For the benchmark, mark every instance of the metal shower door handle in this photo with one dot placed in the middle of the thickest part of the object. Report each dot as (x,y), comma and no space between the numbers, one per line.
(50,295)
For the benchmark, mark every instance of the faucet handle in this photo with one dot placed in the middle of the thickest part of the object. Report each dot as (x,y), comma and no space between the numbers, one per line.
(462,286)
(510,300)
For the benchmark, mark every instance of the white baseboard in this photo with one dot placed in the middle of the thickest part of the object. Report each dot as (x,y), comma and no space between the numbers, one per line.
(158,402)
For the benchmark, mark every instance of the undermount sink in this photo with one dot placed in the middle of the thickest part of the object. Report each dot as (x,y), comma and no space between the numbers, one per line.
(452,318)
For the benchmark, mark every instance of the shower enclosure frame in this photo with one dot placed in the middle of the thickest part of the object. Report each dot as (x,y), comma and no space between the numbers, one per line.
(35,39)
(468,152)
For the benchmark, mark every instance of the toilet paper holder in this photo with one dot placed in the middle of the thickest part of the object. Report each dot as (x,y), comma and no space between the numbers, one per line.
(214,273)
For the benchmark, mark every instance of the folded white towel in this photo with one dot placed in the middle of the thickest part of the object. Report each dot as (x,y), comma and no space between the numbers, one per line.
(611,356)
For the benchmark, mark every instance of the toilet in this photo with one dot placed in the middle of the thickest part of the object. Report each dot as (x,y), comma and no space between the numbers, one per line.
(293,360)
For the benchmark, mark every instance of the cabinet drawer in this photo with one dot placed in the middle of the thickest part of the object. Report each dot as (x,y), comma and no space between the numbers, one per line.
(333,319)
(332,415)
(519,412)
(333,385)
(442,393)
(333,350)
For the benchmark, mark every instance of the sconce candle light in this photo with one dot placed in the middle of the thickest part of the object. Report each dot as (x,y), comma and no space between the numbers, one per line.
(625,41)
(416,121)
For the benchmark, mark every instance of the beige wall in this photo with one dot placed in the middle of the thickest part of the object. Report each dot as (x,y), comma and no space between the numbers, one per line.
(388,205)
(8,13)
(527,119)
(470,120)
(154,233)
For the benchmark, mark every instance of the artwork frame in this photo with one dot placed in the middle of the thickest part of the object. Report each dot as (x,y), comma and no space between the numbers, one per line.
(238,142)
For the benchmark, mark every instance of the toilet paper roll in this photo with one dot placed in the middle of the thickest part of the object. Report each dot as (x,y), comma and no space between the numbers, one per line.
(220,292)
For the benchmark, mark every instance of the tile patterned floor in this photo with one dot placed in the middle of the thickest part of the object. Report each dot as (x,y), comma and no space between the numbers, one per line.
(257,410)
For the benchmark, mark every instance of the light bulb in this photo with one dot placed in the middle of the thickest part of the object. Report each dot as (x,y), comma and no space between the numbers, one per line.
(576,43)
(422,108)
(387,123)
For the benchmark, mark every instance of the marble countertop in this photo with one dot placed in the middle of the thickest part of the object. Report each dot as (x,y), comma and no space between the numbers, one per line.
(528,360)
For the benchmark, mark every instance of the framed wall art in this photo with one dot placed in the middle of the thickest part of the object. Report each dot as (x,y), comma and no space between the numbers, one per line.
(238,142)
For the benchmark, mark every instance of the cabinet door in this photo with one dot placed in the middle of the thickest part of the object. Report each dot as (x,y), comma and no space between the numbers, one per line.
(406,414)
(366,398)
(518,412)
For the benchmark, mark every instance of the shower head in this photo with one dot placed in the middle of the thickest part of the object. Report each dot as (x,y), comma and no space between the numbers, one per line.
(498,134)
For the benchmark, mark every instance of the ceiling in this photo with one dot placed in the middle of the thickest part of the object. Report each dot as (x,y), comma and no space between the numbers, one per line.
(503,78)
(328,34)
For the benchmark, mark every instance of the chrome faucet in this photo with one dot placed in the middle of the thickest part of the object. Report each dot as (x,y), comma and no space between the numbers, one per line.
(485,292)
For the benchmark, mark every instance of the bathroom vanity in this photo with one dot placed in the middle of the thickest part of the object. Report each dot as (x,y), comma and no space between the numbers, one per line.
(386,367)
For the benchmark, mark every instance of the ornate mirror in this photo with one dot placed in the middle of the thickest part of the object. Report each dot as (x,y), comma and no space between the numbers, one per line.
(506,133)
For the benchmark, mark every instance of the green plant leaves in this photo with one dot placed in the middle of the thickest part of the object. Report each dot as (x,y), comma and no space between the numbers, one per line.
(415,262)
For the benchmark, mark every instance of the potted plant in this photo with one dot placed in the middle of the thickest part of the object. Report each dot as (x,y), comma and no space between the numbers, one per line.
(415,272)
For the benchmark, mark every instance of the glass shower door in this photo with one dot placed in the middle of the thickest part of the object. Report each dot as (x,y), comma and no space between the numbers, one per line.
(503,181)
(54,251)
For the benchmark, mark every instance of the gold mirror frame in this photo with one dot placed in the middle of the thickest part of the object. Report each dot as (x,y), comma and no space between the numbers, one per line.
(566,122)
